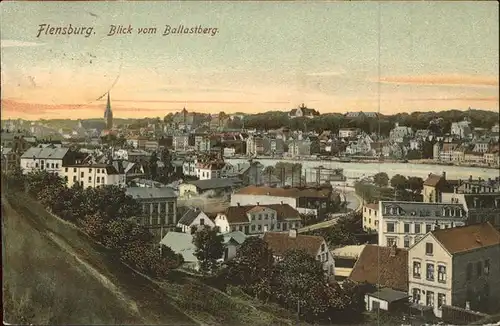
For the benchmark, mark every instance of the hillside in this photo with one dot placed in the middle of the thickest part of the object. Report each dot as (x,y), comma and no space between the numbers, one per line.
(53,274)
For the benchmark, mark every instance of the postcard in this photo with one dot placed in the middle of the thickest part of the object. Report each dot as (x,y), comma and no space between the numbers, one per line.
(250,163)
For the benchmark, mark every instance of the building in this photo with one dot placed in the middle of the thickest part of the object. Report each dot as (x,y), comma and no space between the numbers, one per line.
(159,208)
(433,188)
(317,201)
(461,129)
(194,217)
(257,145)
(43,158)
(93,175)
(257,219)
(281,242)
(210,170)
(209,187)
(180,143)
(404,223)
(345,259)
(480,207)
(182,243)
(108,115)
(348,132)
(370,217)
(303,112)
(387,269)
(456,267)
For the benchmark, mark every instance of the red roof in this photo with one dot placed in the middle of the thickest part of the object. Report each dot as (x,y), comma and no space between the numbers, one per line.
(281,242)
(466,238)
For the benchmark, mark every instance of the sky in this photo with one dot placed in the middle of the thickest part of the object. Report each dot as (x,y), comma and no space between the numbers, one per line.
(331,56)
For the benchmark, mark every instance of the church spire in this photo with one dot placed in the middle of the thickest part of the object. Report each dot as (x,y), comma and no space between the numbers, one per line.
(108,115)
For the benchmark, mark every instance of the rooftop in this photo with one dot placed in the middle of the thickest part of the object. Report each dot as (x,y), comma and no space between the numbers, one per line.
(295,192)
(281,242)
(466,238)
(152,193)
(376,265)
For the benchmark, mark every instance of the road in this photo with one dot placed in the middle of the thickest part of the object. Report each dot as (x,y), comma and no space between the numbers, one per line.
(354,203)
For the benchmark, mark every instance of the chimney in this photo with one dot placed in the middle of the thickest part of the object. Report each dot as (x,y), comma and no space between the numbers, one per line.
(470,178)
(257,203)
(393,251)
(444,175)
(292,233)
(238,204)
(282,203)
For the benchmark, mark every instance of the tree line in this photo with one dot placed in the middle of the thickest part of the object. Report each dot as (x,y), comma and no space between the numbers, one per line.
(401,188)
(106,214)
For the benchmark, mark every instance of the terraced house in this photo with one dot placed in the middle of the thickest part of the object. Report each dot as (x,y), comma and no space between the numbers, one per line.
(403,223)
(456,267)
(257,219)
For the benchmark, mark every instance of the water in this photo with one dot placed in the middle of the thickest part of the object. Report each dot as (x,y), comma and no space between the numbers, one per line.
(356,170)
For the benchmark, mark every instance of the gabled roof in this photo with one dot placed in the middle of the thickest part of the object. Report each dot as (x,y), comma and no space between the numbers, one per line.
(237,236)
(145,193)
(466,238)
(281,242)
(433,180)
(189,217)
(181,243)
(238,214)
(376,266)
(45,153)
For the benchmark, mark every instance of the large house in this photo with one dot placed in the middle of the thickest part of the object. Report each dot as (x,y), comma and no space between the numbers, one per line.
(93,175)
(257,219)
(480,207)
(456,267)
(316,246)
(194,217)
(370,217)
(159,208)
(210,170)
(433,188)
(317,201)
(43,158)
(303,112)
(403,223)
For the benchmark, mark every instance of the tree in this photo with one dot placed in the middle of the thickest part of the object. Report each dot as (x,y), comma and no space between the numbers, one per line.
(111,202)
(399,182)
(153,165)
(38,181)
(209,248)
(253,262)
(381,179)
(415,185)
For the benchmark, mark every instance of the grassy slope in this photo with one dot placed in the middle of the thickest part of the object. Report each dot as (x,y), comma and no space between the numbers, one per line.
(71,280)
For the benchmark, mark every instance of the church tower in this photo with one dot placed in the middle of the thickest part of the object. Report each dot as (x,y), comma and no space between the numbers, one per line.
(108,115)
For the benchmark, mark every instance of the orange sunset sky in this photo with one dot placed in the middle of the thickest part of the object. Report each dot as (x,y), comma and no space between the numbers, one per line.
(334,57)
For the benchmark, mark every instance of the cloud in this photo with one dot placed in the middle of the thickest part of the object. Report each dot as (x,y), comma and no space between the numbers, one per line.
(326,73)
(16,43)
(440,80)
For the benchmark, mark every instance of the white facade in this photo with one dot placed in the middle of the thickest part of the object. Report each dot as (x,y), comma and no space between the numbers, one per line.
(404,223)
(43,158)
(348,132)
(429,274)
(92,176)
(201,219)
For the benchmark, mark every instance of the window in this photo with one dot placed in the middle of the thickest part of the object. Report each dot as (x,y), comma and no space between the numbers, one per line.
(428,248)
(51,165)
(441,273)
(441,299)
(74,169)
(417,228)
(487,267)
(430,272)
(407,228)
(74,178)
(253,227)
(390,227)
(430,298)
(81,174)
(202,221)
(81,183)
(391,241)
(36,164)
(260,216)
(259,227)
(407,242)
(326,256)
(428,228)
(65,169)
(416,269)
(469,271)
(98,179)
(416,295)
(90,179)
(90,170)
(265,216)
(253,217)
(323,247)
(479,268)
